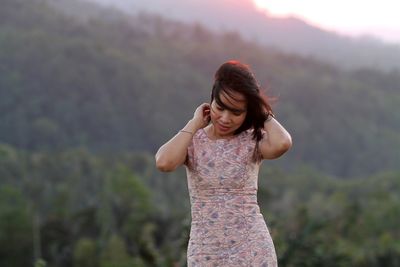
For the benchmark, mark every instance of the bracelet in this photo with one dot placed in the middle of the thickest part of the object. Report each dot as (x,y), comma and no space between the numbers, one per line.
(184,131)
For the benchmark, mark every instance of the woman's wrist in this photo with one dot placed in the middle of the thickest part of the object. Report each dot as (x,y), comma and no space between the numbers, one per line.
(191,127)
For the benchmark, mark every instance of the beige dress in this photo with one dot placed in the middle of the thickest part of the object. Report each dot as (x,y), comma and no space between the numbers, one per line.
(227,227)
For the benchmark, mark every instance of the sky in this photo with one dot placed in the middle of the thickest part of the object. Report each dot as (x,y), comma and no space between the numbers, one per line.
(356,17)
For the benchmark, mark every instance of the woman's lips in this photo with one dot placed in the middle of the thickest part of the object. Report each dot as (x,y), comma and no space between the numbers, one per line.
(223,128)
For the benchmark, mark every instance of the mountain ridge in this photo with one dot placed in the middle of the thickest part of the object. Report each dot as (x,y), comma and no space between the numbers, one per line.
(291,34)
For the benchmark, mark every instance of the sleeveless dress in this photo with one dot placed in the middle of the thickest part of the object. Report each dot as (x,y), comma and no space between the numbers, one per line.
(227,228)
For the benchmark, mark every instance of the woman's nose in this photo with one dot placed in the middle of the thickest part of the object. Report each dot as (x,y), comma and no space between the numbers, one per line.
(225,116)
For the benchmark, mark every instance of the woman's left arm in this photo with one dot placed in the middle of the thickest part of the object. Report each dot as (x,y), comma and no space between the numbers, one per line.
(276,141)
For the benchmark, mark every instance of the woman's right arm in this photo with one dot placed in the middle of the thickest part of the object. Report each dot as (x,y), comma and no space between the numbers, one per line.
(173,154)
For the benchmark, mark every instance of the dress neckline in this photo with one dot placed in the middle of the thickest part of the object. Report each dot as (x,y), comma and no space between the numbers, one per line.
(220,139)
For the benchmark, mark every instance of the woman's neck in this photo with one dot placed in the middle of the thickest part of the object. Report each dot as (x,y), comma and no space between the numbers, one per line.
(213,134)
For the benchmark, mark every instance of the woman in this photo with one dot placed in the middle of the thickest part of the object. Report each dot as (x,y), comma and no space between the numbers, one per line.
(222,147)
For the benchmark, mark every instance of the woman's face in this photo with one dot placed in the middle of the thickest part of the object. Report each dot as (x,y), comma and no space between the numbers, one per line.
(230,115)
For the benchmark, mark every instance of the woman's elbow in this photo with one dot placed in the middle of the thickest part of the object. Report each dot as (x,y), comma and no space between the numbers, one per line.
(282,147)
(164,165)
(287,143)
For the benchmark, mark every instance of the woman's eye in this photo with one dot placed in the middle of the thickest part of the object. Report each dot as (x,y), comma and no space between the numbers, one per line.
(219,108)
(237,113)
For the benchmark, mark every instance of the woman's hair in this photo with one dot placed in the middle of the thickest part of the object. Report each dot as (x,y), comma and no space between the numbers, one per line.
(234,76)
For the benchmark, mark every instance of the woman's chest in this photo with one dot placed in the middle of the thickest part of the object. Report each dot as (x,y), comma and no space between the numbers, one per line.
(221,164)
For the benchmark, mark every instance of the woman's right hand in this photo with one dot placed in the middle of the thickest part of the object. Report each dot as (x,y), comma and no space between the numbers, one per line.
(202,115)
(174,153)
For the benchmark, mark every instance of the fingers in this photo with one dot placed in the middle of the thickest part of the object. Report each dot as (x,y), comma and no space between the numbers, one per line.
(202,114)
(207,117)
(205,106)
(206,112)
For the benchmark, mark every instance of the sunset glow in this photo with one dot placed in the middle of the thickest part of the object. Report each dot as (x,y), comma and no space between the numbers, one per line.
(355,16)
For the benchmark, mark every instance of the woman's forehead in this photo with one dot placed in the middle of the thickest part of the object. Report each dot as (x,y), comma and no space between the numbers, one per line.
(233,100)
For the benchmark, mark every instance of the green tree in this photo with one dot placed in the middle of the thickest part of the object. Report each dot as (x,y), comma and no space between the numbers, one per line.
(115,254)
(85,253)
(15,228)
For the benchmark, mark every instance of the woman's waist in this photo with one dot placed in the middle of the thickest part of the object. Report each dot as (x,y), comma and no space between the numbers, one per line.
(228,220)
(222,193)
(224,207)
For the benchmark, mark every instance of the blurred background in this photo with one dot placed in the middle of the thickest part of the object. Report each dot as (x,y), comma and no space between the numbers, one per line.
(90,89)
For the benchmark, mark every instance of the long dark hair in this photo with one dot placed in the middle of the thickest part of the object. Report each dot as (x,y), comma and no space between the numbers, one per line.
(234,76)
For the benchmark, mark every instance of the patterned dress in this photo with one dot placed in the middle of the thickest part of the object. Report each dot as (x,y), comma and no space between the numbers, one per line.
(227,227)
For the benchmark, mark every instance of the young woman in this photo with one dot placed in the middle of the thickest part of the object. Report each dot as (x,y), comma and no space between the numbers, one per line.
(222,147)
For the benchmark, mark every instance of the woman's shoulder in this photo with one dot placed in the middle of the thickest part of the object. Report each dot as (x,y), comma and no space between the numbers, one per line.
(248,135)
(200,135)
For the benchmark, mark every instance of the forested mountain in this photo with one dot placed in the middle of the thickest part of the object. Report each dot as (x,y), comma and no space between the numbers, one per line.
(287,34)
(73,208)
(128,83)
(86,96)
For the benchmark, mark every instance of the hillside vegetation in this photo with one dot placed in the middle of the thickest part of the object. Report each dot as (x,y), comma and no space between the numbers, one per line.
(128,83)
(86,97)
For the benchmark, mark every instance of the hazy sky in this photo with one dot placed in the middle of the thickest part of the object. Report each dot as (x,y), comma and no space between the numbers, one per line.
(376,17)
